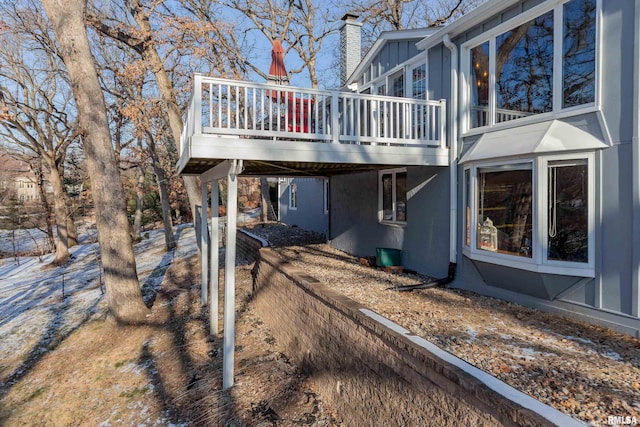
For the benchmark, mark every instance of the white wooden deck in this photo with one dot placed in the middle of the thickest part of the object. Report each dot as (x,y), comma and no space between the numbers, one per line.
(285,130)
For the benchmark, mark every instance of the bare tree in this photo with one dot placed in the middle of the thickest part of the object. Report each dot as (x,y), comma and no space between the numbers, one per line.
(39,112)
(389,15)
(116,249)
(141,40)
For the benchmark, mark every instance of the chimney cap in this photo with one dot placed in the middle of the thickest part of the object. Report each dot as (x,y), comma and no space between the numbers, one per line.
(349,16)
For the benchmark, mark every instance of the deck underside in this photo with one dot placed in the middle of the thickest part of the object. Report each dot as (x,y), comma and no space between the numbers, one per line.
(302,158)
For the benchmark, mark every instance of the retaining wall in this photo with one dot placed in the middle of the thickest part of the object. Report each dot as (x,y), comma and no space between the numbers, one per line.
(372,371)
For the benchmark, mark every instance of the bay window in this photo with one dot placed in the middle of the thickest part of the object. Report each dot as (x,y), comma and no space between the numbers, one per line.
(543,64)
(535,214)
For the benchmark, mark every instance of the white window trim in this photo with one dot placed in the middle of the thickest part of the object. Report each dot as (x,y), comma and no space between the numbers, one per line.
(291,204)
(381,219)
(538,261)
(490,36)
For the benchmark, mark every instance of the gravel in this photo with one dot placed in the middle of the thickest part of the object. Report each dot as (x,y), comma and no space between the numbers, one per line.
(586,371)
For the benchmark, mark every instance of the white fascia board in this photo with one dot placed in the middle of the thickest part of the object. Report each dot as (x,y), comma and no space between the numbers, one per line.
(204,147)
(385,37)
(466,22)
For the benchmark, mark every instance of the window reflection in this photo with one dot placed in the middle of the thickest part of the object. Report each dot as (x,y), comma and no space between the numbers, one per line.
(579,53)
(401,196)
(387,197)
(480,85)
(568,211)
(524,69)
(505,212)
(419,82)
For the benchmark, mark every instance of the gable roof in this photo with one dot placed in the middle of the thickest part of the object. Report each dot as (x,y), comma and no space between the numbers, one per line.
(385,37)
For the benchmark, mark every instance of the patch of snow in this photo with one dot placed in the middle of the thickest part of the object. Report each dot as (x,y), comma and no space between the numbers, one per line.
(34,314)
(579,339)
(473,334)
(612,355)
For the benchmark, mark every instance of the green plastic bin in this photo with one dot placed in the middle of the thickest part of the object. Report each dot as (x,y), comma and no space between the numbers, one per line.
(388,257)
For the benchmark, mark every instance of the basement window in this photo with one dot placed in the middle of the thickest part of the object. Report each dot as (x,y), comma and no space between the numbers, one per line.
(392,196)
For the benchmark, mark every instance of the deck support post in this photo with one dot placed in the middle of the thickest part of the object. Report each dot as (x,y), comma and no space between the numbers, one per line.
(204,244)
(230,276)
(214,267)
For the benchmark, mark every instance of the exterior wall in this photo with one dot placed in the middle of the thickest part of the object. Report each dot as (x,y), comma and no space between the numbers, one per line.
(424,241)
(607,298)
(393,53)
(387,375)
(310,213)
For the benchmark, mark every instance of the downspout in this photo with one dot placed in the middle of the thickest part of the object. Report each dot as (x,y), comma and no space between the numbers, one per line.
(635,273)
(453,176)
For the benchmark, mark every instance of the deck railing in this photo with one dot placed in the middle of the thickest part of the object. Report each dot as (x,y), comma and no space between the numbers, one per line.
(480,115)
(261,111)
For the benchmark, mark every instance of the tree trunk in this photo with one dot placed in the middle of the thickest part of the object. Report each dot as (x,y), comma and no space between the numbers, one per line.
(165,87)
(137,221)
(116,249)
(265,198)
(161,179)
(72,231)
(47,208)
(59,214)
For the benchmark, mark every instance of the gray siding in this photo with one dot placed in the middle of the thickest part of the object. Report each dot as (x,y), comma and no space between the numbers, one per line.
(424,241)
(392,54)
(310,213)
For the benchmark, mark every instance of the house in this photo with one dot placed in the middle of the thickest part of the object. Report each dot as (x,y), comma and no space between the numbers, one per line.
(18,180)
(500,153)
(543,100)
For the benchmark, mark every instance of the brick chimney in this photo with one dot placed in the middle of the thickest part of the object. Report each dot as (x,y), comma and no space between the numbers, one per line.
(350,46)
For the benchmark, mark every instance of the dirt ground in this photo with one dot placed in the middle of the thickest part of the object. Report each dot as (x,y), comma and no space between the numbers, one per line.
(166,372)
(586,371)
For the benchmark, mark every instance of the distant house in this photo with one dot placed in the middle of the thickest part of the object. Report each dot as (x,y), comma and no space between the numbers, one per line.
(17,179)
(501,151)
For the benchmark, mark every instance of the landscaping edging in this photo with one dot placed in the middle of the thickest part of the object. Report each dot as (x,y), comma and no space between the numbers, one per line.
(371,369)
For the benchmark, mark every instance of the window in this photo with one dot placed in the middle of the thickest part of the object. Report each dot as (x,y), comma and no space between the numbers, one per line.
(534,214)
(397,84)
(467,207)
(293,195)
(480,88)
(505,211)
(515,73)
(393,196)
(568,219)
(325,195)
(579,53)
(419,82)
(524,69)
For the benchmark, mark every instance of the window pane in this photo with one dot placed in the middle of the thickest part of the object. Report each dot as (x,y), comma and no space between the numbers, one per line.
(480,85)
(505,210)
(294,195)
(387,197)
(467,210)
(401,196)
(579,53)
(524,69)
(397,88)
(568,212)
(419,79)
